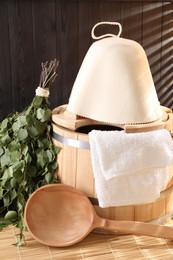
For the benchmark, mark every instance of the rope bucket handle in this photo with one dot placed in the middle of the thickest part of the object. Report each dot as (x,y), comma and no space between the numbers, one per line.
(108,34)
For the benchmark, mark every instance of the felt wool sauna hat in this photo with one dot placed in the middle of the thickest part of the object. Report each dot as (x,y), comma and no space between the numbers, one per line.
(114,83)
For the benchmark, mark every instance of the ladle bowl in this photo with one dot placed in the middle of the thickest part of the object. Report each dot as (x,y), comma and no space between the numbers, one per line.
(60,215)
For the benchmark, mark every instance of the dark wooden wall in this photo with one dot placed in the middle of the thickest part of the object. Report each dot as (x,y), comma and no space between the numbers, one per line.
(33,31)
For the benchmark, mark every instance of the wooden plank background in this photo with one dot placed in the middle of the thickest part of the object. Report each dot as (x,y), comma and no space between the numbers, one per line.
(33,31)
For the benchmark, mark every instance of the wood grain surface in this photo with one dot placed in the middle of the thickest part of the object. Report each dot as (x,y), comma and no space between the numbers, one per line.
(35,31)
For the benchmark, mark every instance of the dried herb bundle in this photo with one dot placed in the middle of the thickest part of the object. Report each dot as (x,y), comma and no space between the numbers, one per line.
(27,155)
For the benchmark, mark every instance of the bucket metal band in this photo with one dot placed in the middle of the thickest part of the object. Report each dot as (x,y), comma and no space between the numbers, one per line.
(71,142)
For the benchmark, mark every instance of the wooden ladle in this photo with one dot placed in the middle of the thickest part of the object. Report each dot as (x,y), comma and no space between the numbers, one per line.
(60,215)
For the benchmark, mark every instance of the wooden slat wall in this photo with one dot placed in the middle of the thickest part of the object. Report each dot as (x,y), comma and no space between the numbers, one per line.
(35,31)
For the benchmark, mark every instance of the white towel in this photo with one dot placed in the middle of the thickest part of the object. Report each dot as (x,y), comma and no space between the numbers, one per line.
(130,168)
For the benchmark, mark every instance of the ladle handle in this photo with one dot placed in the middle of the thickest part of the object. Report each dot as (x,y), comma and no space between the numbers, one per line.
(139,228)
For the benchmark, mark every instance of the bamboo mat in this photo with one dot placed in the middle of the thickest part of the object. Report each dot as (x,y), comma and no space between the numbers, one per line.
(93,247)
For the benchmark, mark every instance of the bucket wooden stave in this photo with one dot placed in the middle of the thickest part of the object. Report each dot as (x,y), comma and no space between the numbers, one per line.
(75,169)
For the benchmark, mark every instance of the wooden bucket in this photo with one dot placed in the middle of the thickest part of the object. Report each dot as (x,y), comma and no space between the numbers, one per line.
(75,169)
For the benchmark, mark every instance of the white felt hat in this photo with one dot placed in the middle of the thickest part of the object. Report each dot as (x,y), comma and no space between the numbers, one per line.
(114,84)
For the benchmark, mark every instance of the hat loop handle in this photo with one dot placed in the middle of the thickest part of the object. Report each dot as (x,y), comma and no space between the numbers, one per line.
(108,34)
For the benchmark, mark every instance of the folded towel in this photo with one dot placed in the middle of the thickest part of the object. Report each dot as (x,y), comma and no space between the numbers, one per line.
(130,168)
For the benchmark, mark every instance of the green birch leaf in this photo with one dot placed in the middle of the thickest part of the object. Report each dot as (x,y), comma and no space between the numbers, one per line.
(40,127)
(15,156)
(40,143)
(14,183)
(40,113)
(49,156)
(43,114)
(24,149)
(37,101)
(13,194)
(49,177)
(43,142)
(22,134)
(30,119)
(22,120)
(28,110)
(18,166)
(7,184)
(53,166)
(6,200)
(19,205)
(14,145)
(47,116)
(4,124)
(15,127)
(41,161)
(1,151)
(18,175)
(11,215)
(28,158)
(1,192)
(53,148)
(5,139)
(31,170)
(39,152)
(32,131)
(8,173)
(5,159)
(37,130)
(3,181)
